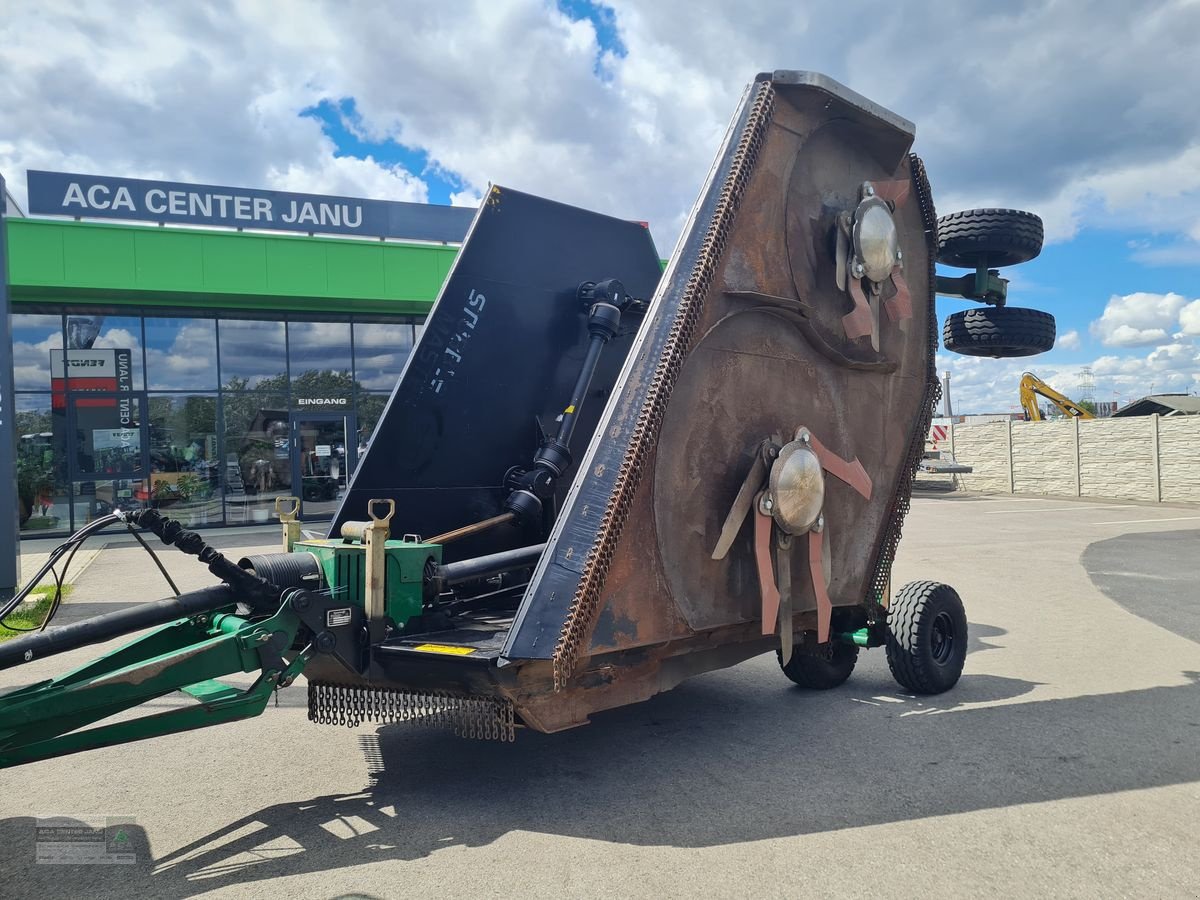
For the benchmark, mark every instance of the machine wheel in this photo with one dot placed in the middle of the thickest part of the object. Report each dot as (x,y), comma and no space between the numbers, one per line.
(819,673)
(999,237)
(999,331)
(927,637)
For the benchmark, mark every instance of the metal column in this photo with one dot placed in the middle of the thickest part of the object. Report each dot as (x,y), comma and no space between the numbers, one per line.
(10,552)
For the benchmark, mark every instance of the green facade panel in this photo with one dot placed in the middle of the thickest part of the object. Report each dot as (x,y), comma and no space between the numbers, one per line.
(86,262)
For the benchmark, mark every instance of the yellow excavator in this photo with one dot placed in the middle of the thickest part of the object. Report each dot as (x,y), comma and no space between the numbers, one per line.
(1032,387)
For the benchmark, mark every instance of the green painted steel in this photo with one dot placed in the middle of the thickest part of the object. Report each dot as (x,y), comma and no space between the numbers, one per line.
(344,566)
(43,720)
(86,262)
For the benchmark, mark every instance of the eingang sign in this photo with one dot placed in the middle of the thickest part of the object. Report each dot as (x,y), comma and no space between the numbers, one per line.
(171,202)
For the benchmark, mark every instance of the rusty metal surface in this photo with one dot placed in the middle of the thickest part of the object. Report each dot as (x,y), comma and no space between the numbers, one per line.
(768,352)
(745,341)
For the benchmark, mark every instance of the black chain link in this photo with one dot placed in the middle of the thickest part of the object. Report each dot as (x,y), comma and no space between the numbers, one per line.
(481,718)
(586,601)
(902,499)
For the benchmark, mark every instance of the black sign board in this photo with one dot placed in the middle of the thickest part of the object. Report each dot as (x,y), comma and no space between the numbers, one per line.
(172,202)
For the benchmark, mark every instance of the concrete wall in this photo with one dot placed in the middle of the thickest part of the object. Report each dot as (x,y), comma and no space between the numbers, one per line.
(1147,458)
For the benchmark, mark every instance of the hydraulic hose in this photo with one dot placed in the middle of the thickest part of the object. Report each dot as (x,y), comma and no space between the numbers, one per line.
(102,628)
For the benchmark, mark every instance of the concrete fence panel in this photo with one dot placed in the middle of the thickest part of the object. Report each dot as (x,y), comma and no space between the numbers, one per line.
(1044,457)
(1179,458)
(1142,458)
(1116,458)
(985,447)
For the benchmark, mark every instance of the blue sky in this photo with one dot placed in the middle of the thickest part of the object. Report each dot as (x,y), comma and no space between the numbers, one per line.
(620,107)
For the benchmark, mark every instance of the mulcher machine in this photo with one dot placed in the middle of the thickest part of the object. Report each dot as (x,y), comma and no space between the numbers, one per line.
(595,478)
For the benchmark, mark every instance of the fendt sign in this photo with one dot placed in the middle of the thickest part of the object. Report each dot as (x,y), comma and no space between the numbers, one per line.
(170,202)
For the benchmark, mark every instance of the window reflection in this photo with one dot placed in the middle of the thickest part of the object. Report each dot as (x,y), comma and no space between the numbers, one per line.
(184,467)
(181,354)
(253,354)
(318,347)
(258,454)
(42,501)
(103,353)
(34,338)
(380,351)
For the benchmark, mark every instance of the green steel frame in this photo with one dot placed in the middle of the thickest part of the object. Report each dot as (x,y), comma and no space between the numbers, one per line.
(43,720)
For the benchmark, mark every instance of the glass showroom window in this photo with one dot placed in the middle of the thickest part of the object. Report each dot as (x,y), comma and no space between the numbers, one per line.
(380,351)
(320,360)
(103,353)
(181,354)
(253,354)
(185,477)
(257,455)
(35,337)
(43,504)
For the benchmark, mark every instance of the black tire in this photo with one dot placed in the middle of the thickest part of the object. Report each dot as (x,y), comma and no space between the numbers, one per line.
(927,637)
(1002,237)
(999,331)
(817,672)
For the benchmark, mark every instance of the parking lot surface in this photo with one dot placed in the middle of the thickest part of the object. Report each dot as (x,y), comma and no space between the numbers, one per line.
(1066,763)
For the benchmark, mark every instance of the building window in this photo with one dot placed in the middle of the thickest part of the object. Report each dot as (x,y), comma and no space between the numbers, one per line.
(319,359)
(257,466)
(253,354)
(42,501)
(380,351)
(103,353)
(205,417)
(181,354)
(35,337)
(185,476)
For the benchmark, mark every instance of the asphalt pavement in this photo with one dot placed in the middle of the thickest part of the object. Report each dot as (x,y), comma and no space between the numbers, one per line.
(1066,763)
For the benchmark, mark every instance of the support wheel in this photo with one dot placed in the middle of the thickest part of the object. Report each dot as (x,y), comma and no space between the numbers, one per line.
(997,237)
(1002,332)
(927,637)
(820,673)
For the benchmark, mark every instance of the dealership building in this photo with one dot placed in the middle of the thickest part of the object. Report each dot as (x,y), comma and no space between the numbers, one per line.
(204,349)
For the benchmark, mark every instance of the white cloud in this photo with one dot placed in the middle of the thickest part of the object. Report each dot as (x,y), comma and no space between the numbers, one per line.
(214,92)
(1189,318)
(1068,341)
(980,385)
(1139,319)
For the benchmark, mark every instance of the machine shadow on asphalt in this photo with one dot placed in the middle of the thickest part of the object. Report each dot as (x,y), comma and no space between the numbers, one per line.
(755,769)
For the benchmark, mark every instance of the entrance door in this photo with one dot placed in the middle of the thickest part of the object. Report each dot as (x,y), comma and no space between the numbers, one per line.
(107,453)
(322,459)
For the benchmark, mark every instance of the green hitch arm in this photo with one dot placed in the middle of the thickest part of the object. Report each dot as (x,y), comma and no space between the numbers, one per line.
(41,721)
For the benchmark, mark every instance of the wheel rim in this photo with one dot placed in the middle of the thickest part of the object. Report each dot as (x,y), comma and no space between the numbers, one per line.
(941,643)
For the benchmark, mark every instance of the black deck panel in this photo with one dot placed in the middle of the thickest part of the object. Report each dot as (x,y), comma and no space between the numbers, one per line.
(500,351)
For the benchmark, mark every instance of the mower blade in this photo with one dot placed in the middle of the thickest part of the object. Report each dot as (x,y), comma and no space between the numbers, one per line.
(899,305)
(766,572)
(741,506)
(816,565)
(783,561)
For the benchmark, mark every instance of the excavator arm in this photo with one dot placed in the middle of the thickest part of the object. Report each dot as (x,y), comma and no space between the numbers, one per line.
(1032,387)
